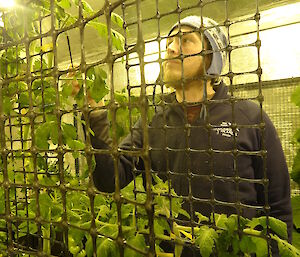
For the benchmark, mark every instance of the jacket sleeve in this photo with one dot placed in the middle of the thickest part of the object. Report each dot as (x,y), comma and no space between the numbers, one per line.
(279,198)
(104,173)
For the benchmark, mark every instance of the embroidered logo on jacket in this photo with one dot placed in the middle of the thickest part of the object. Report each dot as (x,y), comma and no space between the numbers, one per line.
(226,130)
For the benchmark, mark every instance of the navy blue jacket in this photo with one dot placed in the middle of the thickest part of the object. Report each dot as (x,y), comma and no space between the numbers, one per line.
(217,164)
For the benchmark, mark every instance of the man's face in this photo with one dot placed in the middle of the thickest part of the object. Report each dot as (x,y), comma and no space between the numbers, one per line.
(187,44)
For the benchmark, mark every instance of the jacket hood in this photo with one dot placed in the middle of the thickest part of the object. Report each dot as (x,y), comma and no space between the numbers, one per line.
(171,104)
(221,93)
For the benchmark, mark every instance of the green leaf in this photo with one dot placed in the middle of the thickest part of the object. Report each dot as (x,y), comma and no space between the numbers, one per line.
(117,19)
(261,246)
(42,135)
(232,223)
(7,105)
(253,223)
(297,135)
(47,181)
(49,97)
(117,38)
(206,238)
(296,211)
(99,200)
(201,217)
(127,210)
(89,246)
(87,7)
(89,83)
(25,226)
(183,212)
(76,236)
(220,220)
(45,205)
(247,245)
(104,211)
(90,73)
(75,144)
(99,89)
(162,206)
(296,239)
(79,98)
(178,241)
(176,205)
(56,212)
(160,226)
(108,230)
(37,65)
(53,132)
(67,89)
(101,73)
(100,27)
(128,191)
(11,89)
(286,249)
(296,96)
(82,253)
(279,227)
(22,86)
(60,14)
(85,225)
(26,214)
(41,162)
(65,4)
(69,131)
(74,250)
(137,241)
(108,248)
(122,98)
(23,100)
(3,238)
(235,241)
(295,174)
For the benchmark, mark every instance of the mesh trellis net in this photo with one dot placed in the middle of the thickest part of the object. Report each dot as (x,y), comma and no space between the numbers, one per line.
(89,168)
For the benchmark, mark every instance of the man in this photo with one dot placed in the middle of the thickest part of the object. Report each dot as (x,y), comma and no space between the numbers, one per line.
(210,146)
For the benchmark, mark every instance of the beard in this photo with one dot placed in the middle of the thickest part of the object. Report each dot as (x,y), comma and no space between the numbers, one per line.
(174,77)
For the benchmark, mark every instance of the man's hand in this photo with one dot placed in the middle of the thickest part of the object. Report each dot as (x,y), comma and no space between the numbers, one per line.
(76,89)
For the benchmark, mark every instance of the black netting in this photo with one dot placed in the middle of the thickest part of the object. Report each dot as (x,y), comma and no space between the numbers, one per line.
(98,158)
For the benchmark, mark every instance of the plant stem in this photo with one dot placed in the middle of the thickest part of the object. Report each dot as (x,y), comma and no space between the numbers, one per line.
(46,240)
(46,237)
